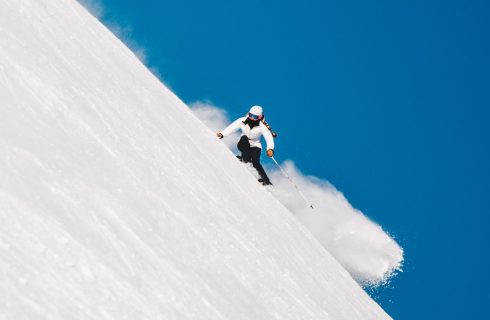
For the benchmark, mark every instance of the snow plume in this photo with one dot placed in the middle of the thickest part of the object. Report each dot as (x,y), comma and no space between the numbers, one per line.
(360,245)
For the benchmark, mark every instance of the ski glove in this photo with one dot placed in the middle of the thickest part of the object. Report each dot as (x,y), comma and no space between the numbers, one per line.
(270,153)
(219,135)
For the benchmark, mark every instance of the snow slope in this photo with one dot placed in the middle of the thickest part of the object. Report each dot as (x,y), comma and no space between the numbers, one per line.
(117,203)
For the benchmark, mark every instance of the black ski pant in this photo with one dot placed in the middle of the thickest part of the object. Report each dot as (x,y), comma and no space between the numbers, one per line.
(252,154)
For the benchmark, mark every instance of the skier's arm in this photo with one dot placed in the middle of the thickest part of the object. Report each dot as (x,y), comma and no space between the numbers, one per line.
(268,138)
(231,128)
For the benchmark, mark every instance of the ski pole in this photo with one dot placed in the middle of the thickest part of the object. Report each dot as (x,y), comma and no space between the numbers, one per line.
(294,185)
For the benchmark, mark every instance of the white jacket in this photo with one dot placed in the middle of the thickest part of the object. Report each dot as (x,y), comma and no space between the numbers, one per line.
(252,134)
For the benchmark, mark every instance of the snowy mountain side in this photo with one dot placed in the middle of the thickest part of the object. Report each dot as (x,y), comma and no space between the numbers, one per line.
(117,203)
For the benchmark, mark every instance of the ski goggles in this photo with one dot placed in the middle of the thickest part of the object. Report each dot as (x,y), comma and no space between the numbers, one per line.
(254,116)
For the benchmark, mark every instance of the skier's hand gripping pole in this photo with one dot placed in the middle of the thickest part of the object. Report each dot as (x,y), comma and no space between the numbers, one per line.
(294,185)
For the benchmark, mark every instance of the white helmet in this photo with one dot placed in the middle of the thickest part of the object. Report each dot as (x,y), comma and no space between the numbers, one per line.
(256,110)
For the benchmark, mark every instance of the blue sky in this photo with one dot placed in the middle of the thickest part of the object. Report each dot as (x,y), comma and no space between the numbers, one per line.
(388,100)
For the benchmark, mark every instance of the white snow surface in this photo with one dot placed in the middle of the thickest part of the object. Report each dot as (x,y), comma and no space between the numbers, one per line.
(116,202)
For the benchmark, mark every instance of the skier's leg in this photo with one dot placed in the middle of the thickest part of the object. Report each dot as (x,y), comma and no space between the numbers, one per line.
(256,163)
(244,147)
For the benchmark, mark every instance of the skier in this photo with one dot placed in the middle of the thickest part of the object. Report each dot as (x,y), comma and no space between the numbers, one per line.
(249,144)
